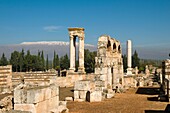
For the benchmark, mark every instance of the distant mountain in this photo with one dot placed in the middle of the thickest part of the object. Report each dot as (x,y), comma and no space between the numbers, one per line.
(60,47)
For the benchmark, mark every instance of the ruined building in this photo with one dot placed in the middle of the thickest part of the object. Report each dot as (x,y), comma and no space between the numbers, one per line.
(109,61)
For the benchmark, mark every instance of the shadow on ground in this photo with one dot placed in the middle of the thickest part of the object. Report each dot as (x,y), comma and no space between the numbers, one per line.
(148,90)
(167,110)
(65,92)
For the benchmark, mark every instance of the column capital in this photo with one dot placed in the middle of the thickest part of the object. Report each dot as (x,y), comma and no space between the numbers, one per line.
(71,37)
(81,37)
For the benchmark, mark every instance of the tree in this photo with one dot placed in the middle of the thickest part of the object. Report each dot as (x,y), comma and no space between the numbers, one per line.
(64,62)
(89,60)
(21,60)
(54,61)
(14,60)
(124,62)
(135,60)
(47,63)
(43,61)
(3,61)
(28,61)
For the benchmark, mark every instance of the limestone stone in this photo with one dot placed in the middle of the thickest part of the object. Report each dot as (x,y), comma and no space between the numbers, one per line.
(25,107)
(82,85)
(73,33)
(79,100)
(20,96)
(69,99)
(108,63)
(76,95)
(82,94)
(96,96)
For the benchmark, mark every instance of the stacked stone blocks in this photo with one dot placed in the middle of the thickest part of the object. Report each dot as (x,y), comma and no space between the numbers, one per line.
(5,78)
(36,99)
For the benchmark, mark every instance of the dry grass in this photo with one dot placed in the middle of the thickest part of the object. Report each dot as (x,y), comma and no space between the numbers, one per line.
(128,102)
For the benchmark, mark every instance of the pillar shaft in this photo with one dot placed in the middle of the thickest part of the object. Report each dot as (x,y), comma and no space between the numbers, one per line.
(129,54)
(81,54)
(72,53)
(129,57)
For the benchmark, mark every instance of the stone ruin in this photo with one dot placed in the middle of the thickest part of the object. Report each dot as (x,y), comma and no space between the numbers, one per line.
(40,99)
(108,73)
(165,80)
(5,79)
(108,63)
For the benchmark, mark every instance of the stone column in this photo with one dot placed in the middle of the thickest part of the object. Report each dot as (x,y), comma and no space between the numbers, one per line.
(81,54)
(129,57)
(72,54)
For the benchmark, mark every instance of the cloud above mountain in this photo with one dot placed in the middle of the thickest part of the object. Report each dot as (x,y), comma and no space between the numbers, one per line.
(52,28)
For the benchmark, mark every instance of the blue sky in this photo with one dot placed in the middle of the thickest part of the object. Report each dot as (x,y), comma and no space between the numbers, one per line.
(145,22)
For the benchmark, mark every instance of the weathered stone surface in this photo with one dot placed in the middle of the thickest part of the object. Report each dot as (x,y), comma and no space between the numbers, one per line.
(20,96)
(25,107)
(82,94)
(96,96)
(82,85)
(6,103)
(69,99)
(76,94)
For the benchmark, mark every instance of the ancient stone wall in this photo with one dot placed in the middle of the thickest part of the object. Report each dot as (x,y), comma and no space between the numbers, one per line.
(109,61)
(166,77)
(5,78)
(41,99)
(34,78)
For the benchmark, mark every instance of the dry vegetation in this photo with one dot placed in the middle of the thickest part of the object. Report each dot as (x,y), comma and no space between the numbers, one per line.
(133,101)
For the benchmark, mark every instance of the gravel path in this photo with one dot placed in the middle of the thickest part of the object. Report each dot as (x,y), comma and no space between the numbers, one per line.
(141,100)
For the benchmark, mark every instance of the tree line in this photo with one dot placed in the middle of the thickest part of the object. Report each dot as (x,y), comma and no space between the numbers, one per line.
(22,62)
(140,63)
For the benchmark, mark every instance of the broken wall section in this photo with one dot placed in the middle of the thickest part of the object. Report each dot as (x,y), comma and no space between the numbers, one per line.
(41,99)
(5,79)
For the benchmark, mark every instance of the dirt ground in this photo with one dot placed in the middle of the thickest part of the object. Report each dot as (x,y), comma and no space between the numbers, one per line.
(139,100)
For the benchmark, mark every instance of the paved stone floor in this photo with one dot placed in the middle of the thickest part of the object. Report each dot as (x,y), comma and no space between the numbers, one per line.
(139,100)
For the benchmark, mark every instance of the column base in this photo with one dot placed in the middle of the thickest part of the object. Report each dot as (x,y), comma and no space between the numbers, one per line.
(71,70)
(81,69)
(129,71)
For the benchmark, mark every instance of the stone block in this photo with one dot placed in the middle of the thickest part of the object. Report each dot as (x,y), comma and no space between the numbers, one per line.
(35,95)
(69,99)
(54,90)
(25,107)
(53,102)
(110,95)
(96,96)
(82,94)
(76,94)
(82,85)
(20,96)
(99,83)
(79,100)
(47,93)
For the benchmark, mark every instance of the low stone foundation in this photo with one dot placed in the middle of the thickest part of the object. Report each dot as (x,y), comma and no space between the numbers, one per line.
(42,99)
(92,91)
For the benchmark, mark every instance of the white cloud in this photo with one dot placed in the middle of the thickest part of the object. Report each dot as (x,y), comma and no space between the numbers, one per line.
(52,28)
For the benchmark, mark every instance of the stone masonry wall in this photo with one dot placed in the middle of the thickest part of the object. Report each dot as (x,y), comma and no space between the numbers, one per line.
(36,99)
(5,78)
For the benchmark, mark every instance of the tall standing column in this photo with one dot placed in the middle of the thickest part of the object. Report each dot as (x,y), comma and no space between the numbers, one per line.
(72,54)
(129,57)
(81,54)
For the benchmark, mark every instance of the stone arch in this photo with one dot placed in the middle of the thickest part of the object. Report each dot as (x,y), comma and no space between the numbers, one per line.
(119,49)
(109,45)
(114,47)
